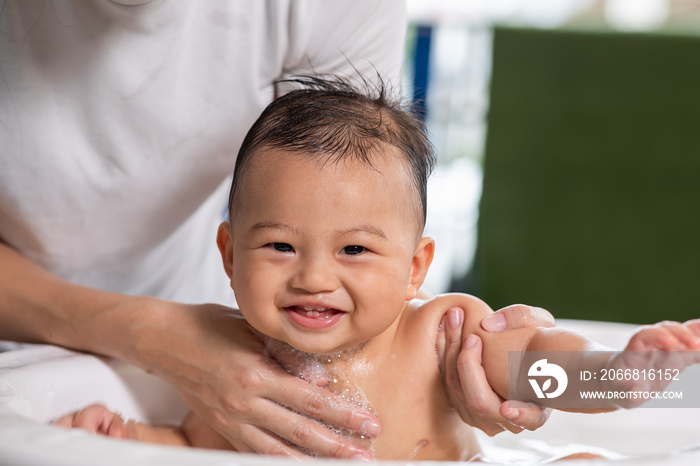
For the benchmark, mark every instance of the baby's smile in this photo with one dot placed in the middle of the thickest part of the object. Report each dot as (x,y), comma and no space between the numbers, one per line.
(313,317)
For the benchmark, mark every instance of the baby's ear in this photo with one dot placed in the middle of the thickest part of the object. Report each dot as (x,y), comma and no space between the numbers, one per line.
(225,243)
(422,258)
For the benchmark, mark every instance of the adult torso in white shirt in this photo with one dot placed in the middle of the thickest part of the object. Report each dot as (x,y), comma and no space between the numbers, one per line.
(120,123)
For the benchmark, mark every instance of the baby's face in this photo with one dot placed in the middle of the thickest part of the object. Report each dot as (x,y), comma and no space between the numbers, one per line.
(322,253)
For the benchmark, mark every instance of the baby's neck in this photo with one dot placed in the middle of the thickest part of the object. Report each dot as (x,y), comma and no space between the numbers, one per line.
(342,373)
(334,371)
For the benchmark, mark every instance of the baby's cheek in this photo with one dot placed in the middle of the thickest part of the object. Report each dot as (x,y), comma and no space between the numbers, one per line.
(383,311)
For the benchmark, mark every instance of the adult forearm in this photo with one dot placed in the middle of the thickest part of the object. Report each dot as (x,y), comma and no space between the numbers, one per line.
(38,307)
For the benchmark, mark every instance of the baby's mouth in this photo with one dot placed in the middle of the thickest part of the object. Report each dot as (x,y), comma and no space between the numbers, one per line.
(314,312)
(314,317)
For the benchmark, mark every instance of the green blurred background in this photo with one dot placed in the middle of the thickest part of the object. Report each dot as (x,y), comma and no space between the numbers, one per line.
(591,197)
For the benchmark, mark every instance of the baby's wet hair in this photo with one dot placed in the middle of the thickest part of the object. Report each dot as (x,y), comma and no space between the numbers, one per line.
(337,120)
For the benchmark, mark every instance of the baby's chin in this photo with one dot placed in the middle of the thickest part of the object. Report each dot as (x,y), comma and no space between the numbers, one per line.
(324,352)
(316,345)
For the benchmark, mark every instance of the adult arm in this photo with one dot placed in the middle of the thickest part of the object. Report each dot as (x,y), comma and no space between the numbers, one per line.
(220,371)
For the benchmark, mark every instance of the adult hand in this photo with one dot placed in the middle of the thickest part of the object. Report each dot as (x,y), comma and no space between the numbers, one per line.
(226,376)
(465,380)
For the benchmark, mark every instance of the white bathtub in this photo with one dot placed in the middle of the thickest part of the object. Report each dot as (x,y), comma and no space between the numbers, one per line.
(37,384)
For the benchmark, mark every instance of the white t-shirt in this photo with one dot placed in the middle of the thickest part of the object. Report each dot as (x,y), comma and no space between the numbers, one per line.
(120,123)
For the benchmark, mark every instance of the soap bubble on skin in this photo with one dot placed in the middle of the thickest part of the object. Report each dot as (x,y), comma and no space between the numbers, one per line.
(327,370)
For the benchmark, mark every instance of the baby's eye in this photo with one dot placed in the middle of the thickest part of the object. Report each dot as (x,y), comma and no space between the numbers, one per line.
(281,247)
(353,250)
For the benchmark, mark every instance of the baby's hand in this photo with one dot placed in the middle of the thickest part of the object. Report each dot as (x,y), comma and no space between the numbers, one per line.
(97,419)
(667,336)
(664,350)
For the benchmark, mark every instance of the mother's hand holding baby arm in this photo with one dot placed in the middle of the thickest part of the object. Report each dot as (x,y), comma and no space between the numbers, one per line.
(465,379)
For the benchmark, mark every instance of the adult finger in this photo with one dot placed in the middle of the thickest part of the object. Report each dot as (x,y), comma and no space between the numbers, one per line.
(306,433)
(263,442)
(320,403)
(525,415)
(294,363)
(451,345)
(517,316)
(514,416)
(440,346)
(479,398)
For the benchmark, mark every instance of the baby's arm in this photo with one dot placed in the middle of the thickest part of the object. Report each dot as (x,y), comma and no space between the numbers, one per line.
(494,348)
(98,419)
(666,347)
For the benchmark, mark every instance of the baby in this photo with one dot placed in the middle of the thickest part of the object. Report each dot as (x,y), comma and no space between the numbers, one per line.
(325,253)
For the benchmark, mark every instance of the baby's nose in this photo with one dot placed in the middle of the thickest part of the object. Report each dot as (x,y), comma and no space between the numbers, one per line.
(315,276)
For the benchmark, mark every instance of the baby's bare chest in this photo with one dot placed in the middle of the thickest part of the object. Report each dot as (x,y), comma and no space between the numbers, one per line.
(406,392)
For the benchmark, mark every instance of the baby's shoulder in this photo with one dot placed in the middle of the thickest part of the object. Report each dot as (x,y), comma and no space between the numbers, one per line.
(430,312)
